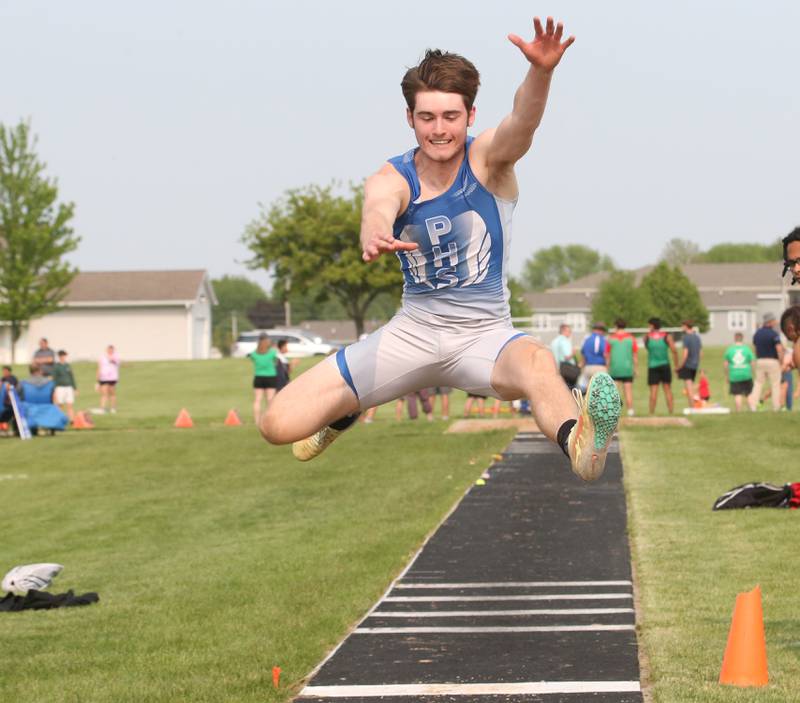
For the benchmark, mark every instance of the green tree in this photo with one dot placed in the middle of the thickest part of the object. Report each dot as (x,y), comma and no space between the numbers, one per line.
(311,238)
(235,295)
(558,265)
(34,234)
(749,252)
(618,296)
(674,297)
(679,252)
(519,306)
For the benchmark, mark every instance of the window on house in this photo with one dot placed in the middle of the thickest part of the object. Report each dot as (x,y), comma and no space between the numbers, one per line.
(541,321)
(737,320)
(576,320)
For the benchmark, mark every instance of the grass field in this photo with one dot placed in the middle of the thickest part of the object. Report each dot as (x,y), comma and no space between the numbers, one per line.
(692,562)
(217,557)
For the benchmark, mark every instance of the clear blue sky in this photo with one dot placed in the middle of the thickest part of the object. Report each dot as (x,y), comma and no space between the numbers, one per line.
(168,122)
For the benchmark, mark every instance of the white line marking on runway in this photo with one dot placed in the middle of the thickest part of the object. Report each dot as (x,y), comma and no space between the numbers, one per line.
(531,628)
(472,689)
(553,596)
(515,584)
(490,613)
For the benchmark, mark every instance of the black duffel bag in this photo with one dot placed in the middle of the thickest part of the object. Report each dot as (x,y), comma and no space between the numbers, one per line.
(569,372)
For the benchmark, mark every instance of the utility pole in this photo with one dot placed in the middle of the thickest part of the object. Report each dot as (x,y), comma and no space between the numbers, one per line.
(287,305)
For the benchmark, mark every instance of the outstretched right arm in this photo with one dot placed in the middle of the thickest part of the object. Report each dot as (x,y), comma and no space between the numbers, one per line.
(386,196)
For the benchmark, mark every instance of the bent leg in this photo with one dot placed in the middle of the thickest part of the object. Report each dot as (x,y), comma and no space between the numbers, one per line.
(526,369)
(313,400)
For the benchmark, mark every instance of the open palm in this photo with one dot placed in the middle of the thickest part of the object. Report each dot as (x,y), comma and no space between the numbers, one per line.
(546,49)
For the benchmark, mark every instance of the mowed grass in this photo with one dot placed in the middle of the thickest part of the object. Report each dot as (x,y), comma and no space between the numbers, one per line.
(712,362)
(216,556)
(691,562)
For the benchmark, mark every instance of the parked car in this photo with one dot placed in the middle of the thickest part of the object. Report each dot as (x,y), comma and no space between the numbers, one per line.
(299,343)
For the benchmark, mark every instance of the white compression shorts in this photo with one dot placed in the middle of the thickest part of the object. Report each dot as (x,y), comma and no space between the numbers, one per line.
(406,355)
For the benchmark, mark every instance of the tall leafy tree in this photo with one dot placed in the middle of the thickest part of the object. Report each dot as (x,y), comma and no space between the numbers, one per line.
(747,252)
(519,306)
(679,252)
(674,297)
(558,265)
(235,295)
(34,234)
(619,296)
(311,238)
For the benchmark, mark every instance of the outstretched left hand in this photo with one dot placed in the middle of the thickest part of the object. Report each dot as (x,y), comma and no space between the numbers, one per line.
(546,49)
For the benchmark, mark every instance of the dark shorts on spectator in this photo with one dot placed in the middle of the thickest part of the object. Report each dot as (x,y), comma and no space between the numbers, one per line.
(741,387)
(659,374)
(264,382)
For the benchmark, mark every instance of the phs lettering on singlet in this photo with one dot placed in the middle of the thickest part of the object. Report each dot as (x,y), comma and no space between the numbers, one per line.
(441,269)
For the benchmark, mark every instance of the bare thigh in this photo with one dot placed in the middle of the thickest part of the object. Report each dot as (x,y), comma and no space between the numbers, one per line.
(312,400)
(527,369)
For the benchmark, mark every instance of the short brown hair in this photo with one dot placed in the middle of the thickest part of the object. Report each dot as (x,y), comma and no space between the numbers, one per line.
(443,71)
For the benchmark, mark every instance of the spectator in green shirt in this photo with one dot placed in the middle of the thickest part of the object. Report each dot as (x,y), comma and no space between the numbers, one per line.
(66,388)
(739,364)
(265,374)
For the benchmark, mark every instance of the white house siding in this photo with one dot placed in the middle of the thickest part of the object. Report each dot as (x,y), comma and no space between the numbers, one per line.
(200,315)
(154,333)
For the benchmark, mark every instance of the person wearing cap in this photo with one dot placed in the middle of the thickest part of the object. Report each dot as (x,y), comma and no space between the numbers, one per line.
(769,352)
(593,354)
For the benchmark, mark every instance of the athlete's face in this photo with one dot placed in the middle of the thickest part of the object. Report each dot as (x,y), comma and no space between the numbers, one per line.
(793,259)
(440,123)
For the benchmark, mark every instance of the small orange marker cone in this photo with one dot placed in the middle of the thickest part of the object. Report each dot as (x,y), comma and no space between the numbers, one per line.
(276,676)
(80,423)
(184,420)
(745,660)
(233,419)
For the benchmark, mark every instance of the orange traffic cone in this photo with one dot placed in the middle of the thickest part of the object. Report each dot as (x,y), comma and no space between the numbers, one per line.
(233,419)
(745,660)
(184,419)
(80,423)
(276,676)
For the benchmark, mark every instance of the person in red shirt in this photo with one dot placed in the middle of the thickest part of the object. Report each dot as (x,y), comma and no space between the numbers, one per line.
(704,390)
(622,356)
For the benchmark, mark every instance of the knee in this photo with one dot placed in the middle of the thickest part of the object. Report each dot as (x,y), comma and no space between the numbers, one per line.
(543,360)
(273,428)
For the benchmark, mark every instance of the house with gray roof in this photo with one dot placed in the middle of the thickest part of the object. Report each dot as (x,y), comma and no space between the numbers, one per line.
(736,296)
(146,315)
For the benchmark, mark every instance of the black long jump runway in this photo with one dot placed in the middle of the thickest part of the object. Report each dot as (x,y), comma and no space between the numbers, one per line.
(523,594)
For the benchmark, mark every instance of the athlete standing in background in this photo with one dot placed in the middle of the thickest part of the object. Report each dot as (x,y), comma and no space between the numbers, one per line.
(445,209)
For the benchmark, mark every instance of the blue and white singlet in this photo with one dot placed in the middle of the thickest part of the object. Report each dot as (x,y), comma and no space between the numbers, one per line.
(457,274)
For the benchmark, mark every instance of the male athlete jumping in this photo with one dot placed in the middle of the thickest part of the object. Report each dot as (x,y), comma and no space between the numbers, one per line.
(444,208)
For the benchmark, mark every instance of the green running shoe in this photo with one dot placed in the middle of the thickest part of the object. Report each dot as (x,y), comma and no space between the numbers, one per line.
(589,438)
